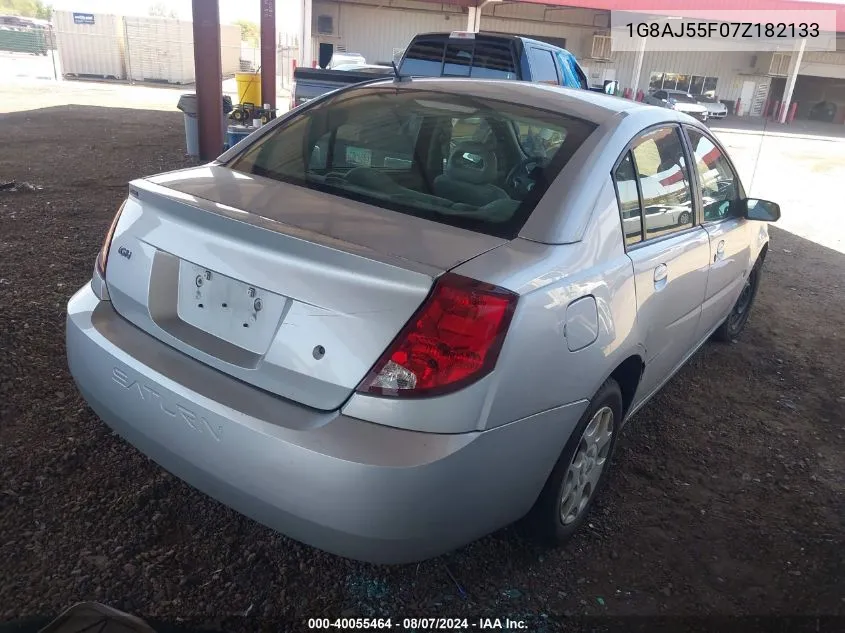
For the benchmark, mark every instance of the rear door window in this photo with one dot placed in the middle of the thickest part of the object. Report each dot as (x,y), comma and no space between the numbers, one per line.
(625,179)
(664,182)
(543,67)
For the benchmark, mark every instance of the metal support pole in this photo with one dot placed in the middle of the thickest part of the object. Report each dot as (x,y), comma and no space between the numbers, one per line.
(790,82)
(209,72)
(268,52)
(472,12)
(638,65)
(305,44)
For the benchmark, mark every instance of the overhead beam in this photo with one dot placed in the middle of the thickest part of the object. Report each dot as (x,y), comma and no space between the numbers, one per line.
(268,52)
(209,72)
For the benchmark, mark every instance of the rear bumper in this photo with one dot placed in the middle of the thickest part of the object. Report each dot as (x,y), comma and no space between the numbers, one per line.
(350,487)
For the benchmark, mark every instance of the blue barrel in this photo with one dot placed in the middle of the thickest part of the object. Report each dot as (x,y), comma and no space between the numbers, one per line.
(236,133)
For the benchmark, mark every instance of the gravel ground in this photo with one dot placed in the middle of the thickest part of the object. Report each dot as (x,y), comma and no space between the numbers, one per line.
(726,498)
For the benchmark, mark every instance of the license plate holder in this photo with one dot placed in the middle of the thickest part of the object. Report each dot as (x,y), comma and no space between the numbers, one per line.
(237,312)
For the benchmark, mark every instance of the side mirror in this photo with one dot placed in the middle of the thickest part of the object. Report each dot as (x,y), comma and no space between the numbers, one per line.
(760,210)
(610,87)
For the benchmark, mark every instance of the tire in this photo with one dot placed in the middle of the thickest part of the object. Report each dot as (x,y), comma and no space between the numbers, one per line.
(555,516)
(735,323)
(683,218)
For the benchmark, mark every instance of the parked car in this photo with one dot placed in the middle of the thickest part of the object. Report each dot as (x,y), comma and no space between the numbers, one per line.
(463,54)
(823,111)
(677,100)
(715,108)
(386,357)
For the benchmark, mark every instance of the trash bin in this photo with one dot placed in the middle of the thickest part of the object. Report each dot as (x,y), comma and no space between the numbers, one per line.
(188,105)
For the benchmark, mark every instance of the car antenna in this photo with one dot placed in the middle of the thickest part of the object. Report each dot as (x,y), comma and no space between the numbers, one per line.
(397,78)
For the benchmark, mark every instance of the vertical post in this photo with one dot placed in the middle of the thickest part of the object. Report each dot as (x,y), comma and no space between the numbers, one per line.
(638,65)
(305,44)
(268,52)
(209,72)
(794,65)
(471,19)
(128,50)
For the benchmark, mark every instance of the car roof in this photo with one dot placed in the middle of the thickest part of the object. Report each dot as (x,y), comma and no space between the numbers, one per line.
(595,107)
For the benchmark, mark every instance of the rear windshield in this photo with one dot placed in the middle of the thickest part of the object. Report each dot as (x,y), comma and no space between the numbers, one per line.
(469,162)
(444,57)
(682,96)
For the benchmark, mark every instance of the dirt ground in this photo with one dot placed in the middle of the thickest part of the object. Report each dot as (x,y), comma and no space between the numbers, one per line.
(726,497)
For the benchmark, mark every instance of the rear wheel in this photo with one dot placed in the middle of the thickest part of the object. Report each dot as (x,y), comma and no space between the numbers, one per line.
(683,218)
(581,470)
(738,317)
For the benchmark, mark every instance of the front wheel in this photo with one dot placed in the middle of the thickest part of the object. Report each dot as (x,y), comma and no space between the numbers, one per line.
(738,317)
(581,469)
(684,218)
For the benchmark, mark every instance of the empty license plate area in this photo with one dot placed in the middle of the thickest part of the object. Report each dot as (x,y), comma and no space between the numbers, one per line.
(237,312)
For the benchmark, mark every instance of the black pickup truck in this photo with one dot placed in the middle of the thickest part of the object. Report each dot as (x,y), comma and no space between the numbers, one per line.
(459,54)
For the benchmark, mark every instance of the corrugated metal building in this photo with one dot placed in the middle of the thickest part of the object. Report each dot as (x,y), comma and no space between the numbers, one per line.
(90,44)
(380,30)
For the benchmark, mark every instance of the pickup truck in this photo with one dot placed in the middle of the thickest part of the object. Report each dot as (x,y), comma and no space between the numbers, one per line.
(459,54)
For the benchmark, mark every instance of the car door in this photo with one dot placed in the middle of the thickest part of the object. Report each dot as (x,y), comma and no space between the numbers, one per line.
(729,234)
(670,262)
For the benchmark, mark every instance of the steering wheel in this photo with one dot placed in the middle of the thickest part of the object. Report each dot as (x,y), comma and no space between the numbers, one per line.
(522,178)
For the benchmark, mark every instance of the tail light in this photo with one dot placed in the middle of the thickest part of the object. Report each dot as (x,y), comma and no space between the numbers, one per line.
(103,255)
(453,340)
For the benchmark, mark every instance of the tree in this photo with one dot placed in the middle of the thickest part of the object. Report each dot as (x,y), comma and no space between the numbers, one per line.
(249,31)
(159,10)
(27,8)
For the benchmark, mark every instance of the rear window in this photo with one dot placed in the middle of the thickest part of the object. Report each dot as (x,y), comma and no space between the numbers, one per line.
(469,162)
(682,96)
(478,58)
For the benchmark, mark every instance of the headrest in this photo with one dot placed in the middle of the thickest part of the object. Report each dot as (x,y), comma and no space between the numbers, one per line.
(472,162)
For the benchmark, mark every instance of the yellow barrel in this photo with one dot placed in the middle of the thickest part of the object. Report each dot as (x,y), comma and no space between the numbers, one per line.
(249,88)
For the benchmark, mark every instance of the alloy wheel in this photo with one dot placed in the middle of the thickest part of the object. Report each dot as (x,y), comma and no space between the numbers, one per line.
(587,465)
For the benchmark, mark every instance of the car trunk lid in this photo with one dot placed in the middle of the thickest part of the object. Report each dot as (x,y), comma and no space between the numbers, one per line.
(295,291)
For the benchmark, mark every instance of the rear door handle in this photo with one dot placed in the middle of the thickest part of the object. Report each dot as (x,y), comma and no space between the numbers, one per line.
(720,251)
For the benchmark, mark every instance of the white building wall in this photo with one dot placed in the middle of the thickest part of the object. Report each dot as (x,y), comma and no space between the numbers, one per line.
(373,29)
(376,28)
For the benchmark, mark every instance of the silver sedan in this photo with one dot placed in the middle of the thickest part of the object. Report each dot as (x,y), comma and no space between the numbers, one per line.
(410,313)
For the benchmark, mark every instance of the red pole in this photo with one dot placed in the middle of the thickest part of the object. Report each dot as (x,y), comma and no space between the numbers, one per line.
(775,108)
(736,107)
(792,110)
(765,108)
(268,52)
(780,111)
(209,77)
